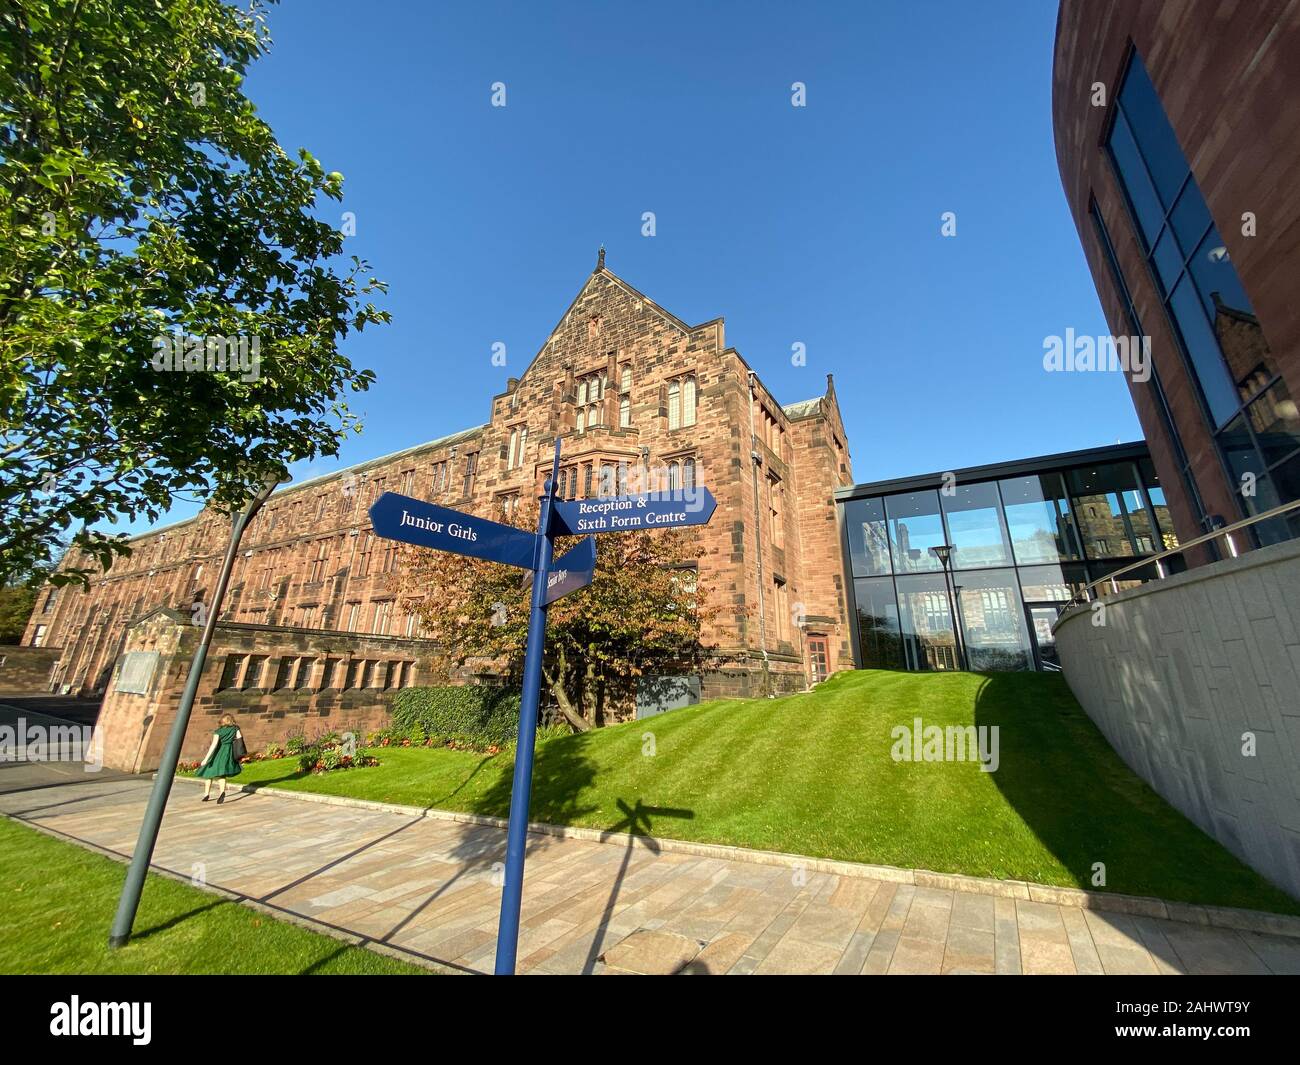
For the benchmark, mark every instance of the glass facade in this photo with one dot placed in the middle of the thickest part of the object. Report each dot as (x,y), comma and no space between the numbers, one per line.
(1020,547)
(1247,405)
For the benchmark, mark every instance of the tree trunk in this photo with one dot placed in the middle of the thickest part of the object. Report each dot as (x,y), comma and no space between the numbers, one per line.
(576,721)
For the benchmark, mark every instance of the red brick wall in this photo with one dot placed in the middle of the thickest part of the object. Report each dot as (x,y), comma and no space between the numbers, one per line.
(1227,74)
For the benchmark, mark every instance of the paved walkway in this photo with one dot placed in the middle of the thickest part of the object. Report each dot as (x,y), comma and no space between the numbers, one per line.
(432,887)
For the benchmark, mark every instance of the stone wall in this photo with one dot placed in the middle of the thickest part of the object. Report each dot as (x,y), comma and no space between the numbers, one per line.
(1185,676)
(275,682)
(26,670)
(310,559)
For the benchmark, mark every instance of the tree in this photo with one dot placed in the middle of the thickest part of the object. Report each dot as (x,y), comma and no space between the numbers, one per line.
(170,307)
(642,613)
(16,604)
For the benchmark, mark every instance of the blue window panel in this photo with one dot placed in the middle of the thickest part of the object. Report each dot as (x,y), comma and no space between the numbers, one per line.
(1213,272)
(1168,258)
(1190,217)
(1137,184)
(1153,133)
(1203,349)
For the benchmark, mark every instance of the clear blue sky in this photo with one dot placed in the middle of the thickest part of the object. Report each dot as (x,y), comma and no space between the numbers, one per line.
(818,225)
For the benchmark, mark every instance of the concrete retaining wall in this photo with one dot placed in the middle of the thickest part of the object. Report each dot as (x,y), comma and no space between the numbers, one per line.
(1184,676)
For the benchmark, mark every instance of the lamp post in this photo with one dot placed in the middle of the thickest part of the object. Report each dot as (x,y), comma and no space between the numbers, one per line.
(943,552)
(162,785)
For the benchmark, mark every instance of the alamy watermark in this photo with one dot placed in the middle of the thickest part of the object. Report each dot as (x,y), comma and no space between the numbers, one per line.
(920,742)
(1100,354)
(22,742)
(179,353)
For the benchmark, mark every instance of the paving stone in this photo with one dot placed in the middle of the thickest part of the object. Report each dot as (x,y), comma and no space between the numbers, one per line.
(652,953)
(427,885)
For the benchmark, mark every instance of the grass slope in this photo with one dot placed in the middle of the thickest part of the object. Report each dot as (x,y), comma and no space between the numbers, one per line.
(59,901)
(812,774)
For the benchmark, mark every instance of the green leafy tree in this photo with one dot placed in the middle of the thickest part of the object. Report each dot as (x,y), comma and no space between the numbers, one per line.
(16,604)
(642,613)
(149,217)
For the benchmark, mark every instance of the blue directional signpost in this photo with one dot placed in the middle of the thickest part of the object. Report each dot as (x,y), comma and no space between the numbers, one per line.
(413,521)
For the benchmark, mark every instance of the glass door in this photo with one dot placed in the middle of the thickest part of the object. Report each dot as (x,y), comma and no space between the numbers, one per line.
(1041,619)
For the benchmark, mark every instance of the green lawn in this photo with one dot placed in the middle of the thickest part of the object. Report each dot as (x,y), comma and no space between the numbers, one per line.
(59,901)
(812,774)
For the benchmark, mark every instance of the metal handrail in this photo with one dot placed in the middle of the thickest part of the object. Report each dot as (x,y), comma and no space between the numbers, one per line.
(1180,549)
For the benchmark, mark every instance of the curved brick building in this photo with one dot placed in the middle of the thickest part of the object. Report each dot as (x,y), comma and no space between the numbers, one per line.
(1178,139)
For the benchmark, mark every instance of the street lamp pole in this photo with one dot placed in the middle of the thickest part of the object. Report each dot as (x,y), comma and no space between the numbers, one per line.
(162,785)
(943,552)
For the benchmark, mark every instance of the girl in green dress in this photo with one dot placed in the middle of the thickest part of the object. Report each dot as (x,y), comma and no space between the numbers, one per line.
(220,761)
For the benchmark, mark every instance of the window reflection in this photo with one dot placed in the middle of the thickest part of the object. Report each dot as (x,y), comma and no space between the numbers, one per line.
(975,526)
(1018,558)
(993,621)
(914,528)
(1109,511)
(878,632)
(1038,518)
(868,540)
(926,622)
(1219,335)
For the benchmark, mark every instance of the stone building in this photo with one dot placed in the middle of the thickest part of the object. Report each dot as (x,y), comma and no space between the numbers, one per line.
(643,401)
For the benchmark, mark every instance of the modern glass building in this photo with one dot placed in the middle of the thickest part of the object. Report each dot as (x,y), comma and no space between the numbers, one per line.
(968,569)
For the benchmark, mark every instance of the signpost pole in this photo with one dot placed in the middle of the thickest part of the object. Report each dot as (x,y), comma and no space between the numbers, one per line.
(522,789)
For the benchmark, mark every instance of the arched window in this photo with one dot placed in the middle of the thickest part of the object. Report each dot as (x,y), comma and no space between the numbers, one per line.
(681,402)
(674,476)
(606,480)
(625,380)
(624,412)
(688,473)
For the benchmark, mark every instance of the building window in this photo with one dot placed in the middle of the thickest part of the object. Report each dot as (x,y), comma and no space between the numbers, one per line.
(681,402)
(625,379)
(284,674)
(509,504)
(587,475)
(688,473)
(51,597)
(590,402)
(1257,421)
(38,637)
(517,448)
(230,672)
(363,560)
(320,564)
(253,674)
(471,467)
(383,609)
(438,481)
(781,604)
(624,412)
(354,613)
(328,673)
(775,507)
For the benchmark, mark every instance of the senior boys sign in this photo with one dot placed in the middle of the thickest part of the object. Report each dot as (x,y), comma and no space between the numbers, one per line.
(413,521)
